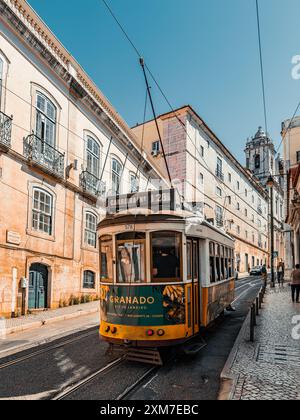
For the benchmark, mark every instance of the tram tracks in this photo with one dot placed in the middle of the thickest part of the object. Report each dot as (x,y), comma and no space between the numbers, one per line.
(71,390)
(45,350)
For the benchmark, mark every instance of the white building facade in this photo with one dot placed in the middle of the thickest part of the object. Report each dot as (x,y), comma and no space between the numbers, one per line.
(62,148)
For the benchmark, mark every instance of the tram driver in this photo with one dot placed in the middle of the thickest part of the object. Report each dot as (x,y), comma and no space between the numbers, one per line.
(166,265)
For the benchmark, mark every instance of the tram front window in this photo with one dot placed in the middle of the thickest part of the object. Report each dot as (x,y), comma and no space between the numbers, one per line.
(166,257)
(131,258)
(106,259)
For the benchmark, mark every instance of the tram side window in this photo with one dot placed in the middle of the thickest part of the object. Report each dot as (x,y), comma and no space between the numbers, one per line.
(166,256)
(212,262)
(131,258)
(223,263)
(189,260)
(226,264)
(106,259)
(218,263)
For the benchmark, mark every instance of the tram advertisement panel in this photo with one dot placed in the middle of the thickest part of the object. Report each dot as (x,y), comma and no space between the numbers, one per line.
(143,305)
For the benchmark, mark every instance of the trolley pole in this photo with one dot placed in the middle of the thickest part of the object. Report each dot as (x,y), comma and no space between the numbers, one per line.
(270,184)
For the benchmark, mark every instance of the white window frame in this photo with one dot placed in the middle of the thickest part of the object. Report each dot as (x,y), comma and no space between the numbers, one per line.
(5,65)
(114,173)
(90,235)
(84,285)
(39,213)
(42,117)
(94,157)
(134,188)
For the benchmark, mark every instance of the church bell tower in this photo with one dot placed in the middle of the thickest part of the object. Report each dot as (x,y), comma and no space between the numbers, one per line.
(260,156)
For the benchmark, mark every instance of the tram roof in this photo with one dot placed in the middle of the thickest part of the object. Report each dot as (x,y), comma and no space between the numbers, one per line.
(161,217)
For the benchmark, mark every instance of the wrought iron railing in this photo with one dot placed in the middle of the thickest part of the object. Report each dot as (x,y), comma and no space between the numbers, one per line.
(90,183)
(5,130)
(43,154)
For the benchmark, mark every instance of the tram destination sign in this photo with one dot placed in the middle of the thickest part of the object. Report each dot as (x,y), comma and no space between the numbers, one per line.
(152,200)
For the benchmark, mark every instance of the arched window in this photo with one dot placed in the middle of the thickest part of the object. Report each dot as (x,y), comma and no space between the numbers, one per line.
(116,176)
(45,119)
(1,80)
(93,156)
(89,280)
(42,211)
(90,233)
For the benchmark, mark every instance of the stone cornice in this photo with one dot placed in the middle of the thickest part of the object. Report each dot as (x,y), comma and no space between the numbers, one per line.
(18,15)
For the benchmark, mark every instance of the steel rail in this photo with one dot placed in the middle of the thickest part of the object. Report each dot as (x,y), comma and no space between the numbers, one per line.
(45,350)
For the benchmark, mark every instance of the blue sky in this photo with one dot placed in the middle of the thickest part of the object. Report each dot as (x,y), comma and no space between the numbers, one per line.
(203,53)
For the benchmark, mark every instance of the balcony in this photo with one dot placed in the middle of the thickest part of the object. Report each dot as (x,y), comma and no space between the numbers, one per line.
(5,131)
(44,156)
(220,174)
(91,184)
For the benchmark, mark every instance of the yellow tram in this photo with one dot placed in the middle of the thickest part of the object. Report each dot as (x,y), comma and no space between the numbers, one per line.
(164,274)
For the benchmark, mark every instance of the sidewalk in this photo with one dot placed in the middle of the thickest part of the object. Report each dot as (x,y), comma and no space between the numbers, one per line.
(10,326)
(268,369)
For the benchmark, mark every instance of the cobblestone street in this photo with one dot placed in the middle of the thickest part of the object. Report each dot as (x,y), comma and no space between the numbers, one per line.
(269,369)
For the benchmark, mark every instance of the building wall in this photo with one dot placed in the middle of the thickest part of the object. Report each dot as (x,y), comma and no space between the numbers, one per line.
(81,112)
(291,147)
(291,141)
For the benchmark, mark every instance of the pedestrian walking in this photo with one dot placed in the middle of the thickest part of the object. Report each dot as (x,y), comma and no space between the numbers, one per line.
(280,273)
(264,273)
(295,284)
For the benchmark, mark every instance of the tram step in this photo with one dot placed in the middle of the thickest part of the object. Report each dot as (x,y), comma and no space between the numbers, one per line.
(151,357)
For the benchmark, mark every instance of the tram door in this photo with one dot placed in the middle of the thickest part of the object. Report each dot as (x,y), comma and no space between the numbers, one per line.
(193,297)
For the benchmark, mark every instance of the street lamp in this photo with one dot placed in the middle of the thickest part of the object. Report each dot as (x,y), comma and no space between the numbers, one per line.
(270,184)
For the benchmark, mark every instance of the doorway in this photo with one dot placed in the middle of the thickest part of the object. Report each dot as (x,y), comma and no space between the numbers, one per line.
(38,287)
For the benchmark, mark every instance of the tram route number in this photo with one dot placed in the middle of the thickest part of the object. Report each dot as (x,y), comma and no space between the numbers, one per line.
(139,409)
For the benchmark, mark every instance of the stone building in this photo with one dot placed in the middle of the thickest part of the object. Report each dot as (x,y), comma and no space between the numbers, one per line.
(211,180)
(262,161)
(62,146)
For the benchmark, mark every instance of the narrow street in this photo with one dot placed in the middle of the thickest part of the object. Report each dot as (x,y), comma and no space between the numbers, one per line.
(55,370)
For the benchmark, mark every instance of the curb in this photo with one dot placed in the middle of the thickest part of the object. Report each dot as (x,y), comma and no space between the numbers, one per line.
(228,379)
(42,323)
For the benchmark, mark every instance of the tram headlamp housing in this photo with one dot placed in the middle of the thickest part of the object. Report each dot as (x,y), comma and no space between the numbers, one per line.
(114,330)
(107,329)
(160,333)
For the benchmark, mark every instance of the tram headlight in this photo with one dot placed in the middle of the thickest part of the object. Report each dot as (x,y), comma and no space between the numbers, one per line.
(114,330)
(160,333)
(150,333)
(107,329)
